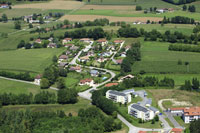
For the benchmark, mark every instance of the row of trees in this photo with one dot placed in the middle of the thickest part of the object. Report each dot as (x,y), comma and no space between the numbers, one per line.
(191,85)
(64,96)
(178,20)
(95,33)
(90,120)
(191,8)
(21,76)
(179,2)
(185,48)
(132,55)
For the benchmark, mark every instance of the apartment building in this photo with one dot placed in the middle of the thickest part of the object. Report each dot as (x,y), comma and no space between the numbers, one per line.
(118,97)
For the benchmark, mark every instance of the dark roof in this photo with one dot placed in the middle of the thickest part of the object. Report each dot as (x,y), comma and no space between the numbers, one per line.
(117,93)
(153,109)
(139,107)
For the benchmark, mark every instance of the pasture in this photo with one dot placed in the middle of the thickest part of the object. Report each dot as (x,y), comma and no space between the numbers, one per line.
(7,86)
(34,60)
(157,59)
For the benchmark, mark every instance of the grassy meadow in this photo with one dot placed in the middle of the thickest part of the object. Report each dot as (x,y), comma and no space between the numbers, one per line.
(157,59)
(33,60)
(7,86)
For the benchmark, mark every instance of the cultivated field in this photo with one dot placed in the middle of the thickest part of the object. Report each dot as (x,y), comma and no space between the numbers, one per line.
(157,59)
(34,60)
(107,7)
(111,18)
(54,4)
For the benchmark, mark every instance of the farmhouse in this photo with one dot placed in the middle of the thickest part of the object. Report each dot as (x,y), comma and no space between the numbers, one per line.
(111,84)
(118,97)
(86,40)
(141,112)
(126,77)
(89,82)
(66,40)
(38,79)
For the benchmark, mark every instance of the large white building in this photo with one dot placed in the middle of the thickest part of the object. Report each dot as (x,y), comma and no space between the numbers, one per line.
(118,97)
(141,112)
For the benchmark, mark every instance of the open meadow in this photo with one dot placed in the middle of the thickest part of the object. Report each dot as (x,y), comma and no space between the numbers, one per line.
(156,58)
(33,60)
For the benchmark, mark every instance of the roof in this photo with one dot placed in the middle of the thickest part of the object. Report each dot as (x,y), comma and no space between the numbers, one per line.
(39,76)
(62,64)
(149,101)
(101,40)
(38,40)
(174,109)
(176,130)
(85,39)
(192,111)
(119,61)
(153,109)
(111,84)
(129,91)
(84,58)
(94,72)
(118,41)
(68,39)
(142,132)
(74,48)
(116,93)
(63,57)
(139,108)
(75,68)
(85,80)
(69,45)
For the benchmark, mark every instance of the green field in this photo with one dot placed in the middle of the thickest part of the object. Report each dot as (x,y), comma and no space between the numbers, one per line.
(34,60)
(157,59)
(7,86)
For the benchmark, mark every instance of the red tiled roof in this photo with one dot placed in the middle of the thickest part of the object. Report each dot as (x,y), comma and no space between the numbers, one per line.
(85,80)
(142,132)
(111,84)
(39,76)
(177,130)
(63,57)
(179,108)
(101,40)
(68,39)
(85,39)
(118,41)
(119,61)
(192,111)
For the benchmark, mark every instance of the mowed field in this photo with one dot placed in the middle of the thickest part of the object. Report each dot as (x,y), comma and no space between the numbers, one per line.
(157,59)
(34,60)
(7,86)
(110,18)
(54,4)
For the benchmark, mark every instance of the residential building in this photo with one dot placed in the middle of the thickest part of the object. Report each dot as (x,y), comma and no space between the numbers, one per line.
(63,64)
(38,79)
(75,68)
(66,40)
(101,59)
(176,130)
(63,57)
(103,42)
(119,61)
(68,45)
(89,82)
(51,45)
(73,48)
(141,112)
(111,84)
(126,77)
(118,41)
(86,40)
(38,41)
(155,110)
(129,91)
(84,58)
(94,73)
(4,6)
(118,97)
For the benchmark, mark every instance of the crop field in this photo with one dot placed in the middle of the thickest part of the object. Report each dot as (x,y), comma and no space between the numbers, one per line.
(107,7)
(7,86)
(54,4)
(34,60)
(111,18)
(157,59)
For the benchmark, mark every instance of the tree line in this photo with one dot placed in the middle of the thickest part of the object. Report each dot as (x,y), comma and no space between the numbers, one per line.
(191,8)
(191,85)
(64,96)
(21,76)
(184,48)
(179,2)
(90,120)
(178,20)
(132,55)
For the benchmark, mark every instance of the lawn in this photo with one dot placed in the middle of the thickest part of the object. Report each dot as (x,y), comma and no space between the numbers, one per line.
(33,60)
(157,59)
(7,86)
(181,122)
(67,108)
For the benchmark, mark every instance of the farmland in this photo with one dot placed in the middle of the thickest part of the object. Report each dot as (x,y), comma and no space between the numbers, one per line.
(157,59)
(35,60)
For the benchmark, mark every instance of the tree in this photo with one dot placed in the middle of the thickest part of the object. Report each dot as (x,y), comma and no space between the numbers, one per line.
(194,126)
(66,22)
(184,7)
(44,83)
(30,26)
(195,84)
(60,83)
(156,118)
(179,62)
(4,18)
(55,59)
(18,25)
(187,65)
(66,96)
(21,44)
(41,20)
(138,8)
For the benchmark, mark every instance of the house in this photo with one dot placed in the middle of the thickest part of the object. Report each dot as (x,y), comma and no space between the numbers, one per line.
(86,40)
(38,41)
(66,26)
(188,113)
(75,68)
(63,57)
(123,54)
(127,48)
(4,6)
(119,61)
(63,64)
(162,10)
(34,21)
(73,48)
(103,42)
(94,73)
(118,97)
(111,84)
(176,130)
(101,59)
(38,79)
(28,18)
(50,39)
(142,112)
(118,41)
(126,77)
(52,45)
(89,82)
(170,9)
(66,40)
(84,58)
(68,45)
